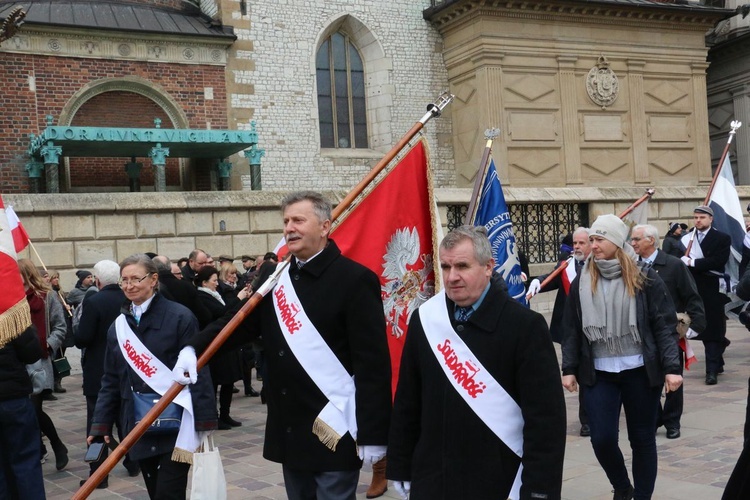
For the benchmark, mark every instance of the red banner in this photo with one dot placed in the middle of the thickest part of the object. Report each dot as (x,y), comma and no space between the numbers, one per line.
(14,310)
(390,231)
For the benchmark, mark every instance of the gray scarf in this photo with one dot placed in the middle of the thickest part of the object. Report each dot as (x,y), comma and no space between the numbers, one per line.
(607,317)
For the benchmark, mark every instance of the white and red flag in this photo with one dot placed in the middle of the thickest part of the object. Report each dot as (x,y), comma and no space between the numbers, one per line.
(20,236)
(14,309)
(391,230)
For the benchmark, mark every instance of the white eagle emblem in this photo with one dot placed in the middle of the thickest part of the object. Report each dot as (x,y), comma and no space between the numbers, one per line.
(405,279)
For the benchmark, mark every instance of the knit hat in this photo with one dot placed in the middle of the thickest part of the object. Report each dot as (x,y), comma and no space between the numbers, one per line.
(610,227)
(674,225)
(82,275)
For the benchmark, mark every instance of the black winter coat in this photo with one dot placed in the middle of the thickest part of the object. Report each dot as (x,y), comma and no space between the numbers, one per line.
(439,444)
(14,356)
(681,288)
(183,292)
(98,313)
(342,299)
(226,366)
(555,325)
(164,329)
(657,323)
(716,248)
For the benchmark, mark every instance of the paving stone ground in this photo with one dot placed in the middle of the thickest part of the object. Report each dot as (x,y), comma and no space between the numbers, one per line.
(696,466)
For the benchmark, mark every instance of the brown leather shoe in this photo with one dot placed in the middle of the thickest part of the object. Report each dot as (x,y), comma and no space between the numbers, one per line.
(379,483)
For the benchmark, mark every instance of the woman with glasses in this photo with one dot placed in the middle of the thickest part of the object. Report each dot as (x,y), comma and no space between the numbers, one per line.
(226,368)
(48,317)
(619,340)
(142,348)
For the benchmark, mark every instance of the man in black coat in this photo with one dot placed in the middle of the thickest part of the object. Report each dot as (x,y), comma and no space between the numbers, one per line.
(98,312)
(708,257)
(445,444)
(180,291)
(19,429)
(685,297)
(342,300)
(196,260)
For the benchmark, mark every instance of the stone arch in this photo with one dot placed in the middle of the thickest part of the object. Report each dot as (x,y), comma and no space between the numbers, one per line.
(379,92)
(134,84)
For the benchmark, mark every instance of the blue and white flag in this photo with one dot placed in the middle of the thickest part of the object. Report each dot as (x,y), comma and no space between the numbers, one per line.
(728,217)
(492,213)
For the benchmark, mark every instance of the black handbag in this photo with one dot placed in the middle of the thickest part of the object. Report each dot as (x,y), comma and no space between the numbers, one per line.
(168,421)
(61,367)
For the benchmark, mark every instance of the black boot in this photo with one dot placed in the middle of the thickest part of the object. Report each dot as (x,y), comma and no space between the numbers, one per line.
(58,386)
(626,494)
(229,420)
(61,455)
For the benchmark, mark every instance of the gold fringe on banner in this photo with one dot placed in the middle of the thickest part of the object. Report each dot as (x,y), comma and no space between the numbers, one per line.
(326,434)
(14,321)
(182,456)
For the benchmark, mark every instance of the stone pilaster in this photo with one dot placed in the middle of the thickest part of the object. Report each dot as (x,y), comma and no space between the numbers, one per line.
(741,102)
(569,111)
(700,118)
(638,120)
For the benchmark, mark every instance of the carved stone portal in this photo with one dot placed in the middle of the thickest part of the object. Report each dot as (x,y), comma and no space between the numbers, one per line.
(602,84)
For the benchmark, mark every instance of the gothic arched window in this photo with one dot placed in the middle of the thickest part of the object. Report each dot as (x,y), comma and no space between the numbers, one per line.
(341,94)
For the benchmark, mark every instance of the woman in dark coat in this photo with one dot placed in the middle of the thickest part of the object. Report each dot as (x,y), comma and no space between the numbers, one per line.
(226,369)
(619,340)
(163,327)
(671,243)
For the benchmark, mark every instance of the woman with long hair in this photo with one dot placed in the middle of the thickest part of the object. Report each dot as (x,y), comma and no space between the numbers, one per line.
(48,317)
(620,341)
(226,368)
(142,346)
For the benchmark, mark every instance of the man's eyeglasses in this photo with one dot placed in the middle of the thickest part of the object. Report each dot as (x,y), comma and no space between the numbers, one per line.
(131,281)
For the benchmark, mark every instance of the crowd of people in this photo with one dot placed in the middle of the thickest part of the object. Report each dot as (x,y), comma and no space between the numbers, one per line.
(478,411)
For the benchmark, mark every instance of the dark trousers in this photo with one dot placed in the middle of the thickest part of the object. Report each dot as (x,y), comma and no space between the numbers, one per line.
(738,486)
(90,406)
(670,416)
(20,468)
(629,390)
(310,485)
(714,355)
(582,417)
(46,425)
(165,479)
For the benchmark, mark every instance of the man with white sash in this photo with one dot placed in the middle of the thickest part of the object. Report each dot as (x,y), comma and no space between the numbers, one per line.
(581,251)
(328,380)
(709,254)
(476,413)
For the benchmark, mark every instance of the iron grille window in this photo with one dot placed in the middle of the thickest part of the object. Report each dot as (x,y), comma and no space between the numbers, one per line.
(341,94)
(542,226)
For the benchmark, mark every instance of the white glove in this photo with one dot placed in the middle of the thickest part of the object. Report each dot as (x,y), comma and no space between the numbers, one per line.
(534,287)
(402,488)
(687,260)
(371,454)
(186,363)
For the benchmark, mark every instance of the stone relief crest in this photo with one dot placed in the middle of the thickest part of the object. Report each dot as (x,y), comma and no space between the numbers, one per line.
(602,84)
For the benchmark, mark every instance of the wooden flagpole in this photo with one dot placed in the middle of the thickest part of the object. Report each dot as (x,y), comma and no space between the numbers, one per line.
(649,192)
(489,134)
(733,130)
(434,110)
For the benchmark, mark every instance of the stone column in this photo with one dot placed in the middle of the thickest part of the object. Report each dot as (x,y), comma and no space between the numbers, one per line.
(51,154)
(224,169)
(569,112)
(741,103)
(638,119)
(702,138)
(158,156)
(35,170)
(254,154)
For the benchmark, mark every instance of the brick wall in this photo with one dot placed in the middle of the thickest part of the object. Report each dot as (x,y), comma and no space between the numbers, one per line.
(37,86)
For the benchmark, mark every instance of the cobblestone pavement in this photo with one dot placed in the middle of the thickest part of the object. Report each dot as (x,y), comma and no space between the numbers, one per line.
(697,465)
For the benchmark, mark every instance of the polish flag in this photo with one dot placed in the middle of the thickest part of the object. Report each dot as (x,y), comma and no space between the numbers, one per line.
(20,236)
(690,357)
(14,308)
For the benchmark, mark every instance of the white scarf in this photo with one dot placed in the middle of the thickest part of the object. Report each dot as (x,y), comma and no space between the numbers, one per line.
(484,395)
(320,363)
(212,293)
(157,376)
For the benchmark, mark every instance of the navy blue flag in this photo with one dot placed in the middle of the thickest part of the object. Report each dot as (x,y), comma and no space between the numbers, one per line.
(492,213)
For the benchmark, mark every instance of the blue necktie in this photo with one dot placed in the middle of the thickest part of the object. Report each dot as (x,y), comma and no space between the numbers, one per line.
(463,313)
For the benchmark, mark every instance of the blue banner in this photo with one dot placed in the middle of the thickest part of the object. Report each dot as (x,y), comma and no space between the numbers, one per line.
(492,213)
